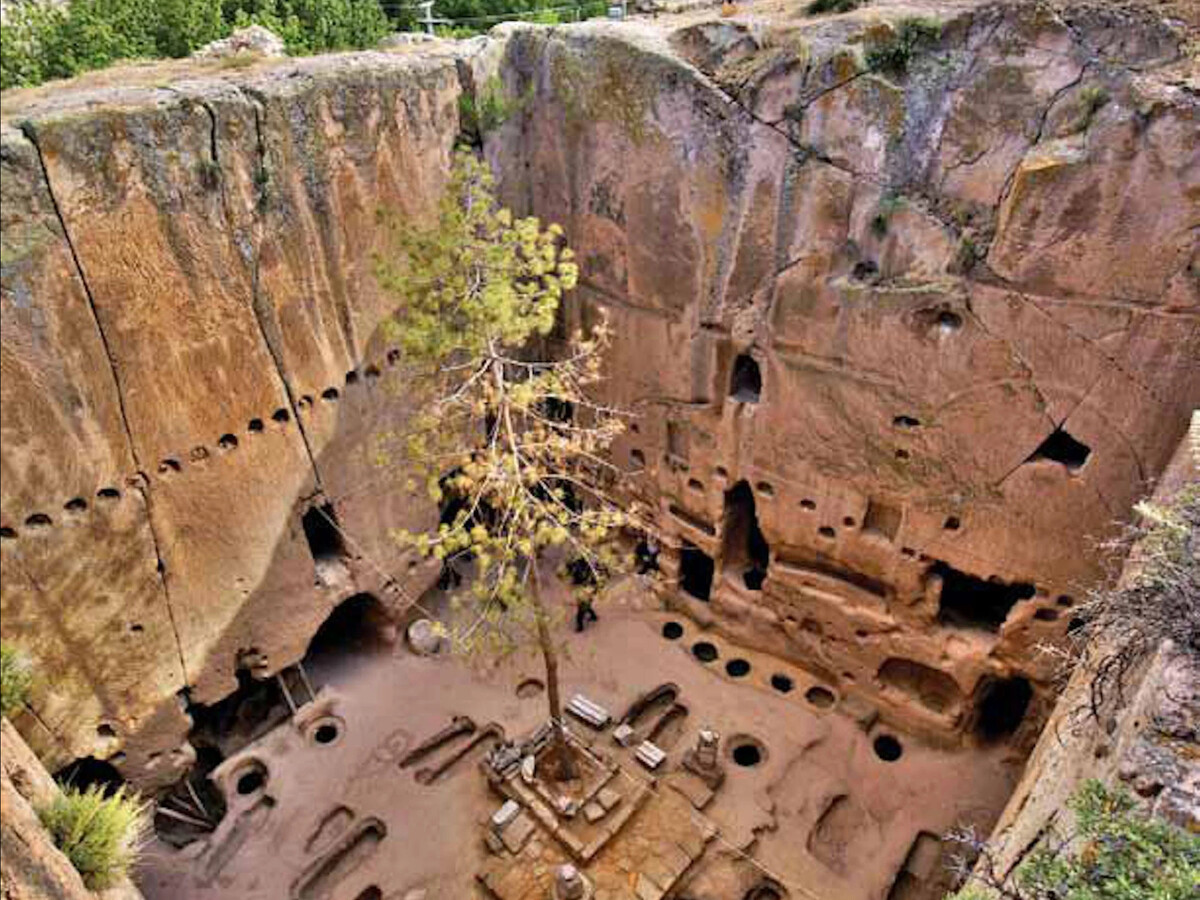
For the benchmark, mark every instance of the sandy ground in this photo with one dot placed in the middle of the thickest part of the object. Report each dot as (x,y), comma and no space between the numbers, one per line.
(821,812)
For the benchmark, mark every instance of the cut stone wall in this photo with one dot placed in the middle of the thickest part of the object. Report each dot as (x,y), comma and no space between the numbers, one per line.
(943,326)
(1149,745)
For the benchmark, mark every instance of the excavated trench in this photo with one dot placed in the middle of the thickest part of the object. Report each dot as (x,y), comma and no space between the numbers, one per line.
(902,347)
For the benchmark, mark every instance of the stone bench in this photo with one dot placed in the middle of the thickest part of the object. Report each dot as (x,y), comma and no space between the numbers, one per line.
(592,713)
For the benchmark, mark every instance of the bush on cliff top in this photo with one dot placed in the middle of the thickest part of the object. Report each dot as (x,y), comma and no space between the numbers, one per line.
(1115,853)
(16,678)
(101,835)
(40,41)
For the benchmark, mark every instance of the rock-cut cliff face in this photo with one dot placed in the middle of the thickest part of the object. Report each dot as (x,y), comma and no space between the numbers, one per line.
(903,341)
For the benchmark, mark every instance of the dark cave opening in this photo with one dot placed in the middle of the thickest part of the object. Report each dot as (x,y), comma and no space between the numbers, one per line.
(970,602)
(88,772)
(695,571)
(1061,447)
(745,549)
(359,625)
(323,534)
(745,384)
(1003,703)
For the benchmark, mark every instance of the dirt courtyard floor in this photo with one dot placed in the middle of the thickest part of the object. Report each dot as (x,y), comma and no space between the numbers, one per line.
(328,814)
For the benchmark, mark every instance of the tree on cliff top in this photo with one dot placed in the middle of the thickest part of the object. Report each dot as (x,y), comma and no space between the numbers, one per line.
(507,439)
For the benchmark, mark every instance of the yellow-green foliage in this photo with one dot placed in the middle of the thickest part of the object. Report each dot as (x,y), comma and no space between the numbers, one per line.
(16,678)
(101,835)
(506,436)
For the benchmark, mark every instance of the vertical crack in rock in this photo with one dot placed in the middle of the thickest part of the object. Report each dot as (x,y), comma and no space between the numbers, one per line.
(140,483)
(262,316)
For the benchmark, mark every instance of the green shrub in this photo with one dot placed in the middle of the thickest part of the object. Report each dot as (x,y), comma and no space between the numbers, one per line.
(46,40)
(835,6)
(101,835)
(1116,853)
(16,678)
(910,35)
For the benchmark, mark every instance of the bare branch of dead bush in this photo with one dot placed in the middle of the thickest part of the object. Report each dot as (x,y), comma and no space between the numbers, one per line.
(1118,626)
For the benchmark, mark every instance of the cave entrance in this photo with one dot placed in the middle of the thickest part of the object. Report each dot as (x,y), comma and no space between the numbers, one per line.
(1061,447)
(88,772)
(745,552)
(358,626)
(1003,703)
(970,602)
(324,535)
(745,384)
(695,571)
(192,808)
(244,716)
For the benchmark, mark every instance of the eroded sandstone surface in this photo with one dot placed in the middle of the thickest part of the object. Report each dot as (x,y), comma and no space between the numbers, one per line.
(901,345)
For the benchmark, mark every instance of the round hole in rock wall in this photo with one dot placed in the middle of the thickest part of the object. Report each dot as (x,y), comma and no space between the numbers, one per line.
(351,377)
(1075,624)
(281,416)
(105,730)
(530,687)
(108,493)
(906,422)
(902,454)
(7,533)
(1064,600)
(169,465)
(39,520)
(887,748)
(1046,615)
(252,779)
(737,668)
(848,521)
(782,683)
(329,394)
(952,523)
(808,504)
(75,505)
(672,631)
(746,751)
(820,697)
(393,356)
(227,442)
(254,426)
(704,651)
(949,321)
(826,532)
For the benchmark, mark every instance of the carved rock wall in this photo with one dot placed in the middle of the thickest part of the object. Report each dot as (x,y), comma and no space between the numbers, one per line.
(901,345)
(191,363)
(932,332)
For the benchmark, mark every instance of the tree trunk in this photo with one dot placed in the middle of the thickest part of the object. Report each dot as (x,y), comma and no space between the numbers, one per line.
(562,766)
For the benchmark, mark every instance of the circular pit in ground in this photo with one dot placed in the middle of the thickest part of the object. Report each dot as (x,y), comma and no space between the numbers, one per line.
(704,651)
(887,748)
(746,751)
(252,778)
(782,683)
(737,668)
(820,697)
(530,687)
(672,631)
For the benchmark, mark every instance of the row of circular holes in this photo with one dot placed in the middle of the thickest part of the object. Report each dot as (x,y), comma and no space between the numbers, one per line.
(886,746)
(818,696)
(227,442)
